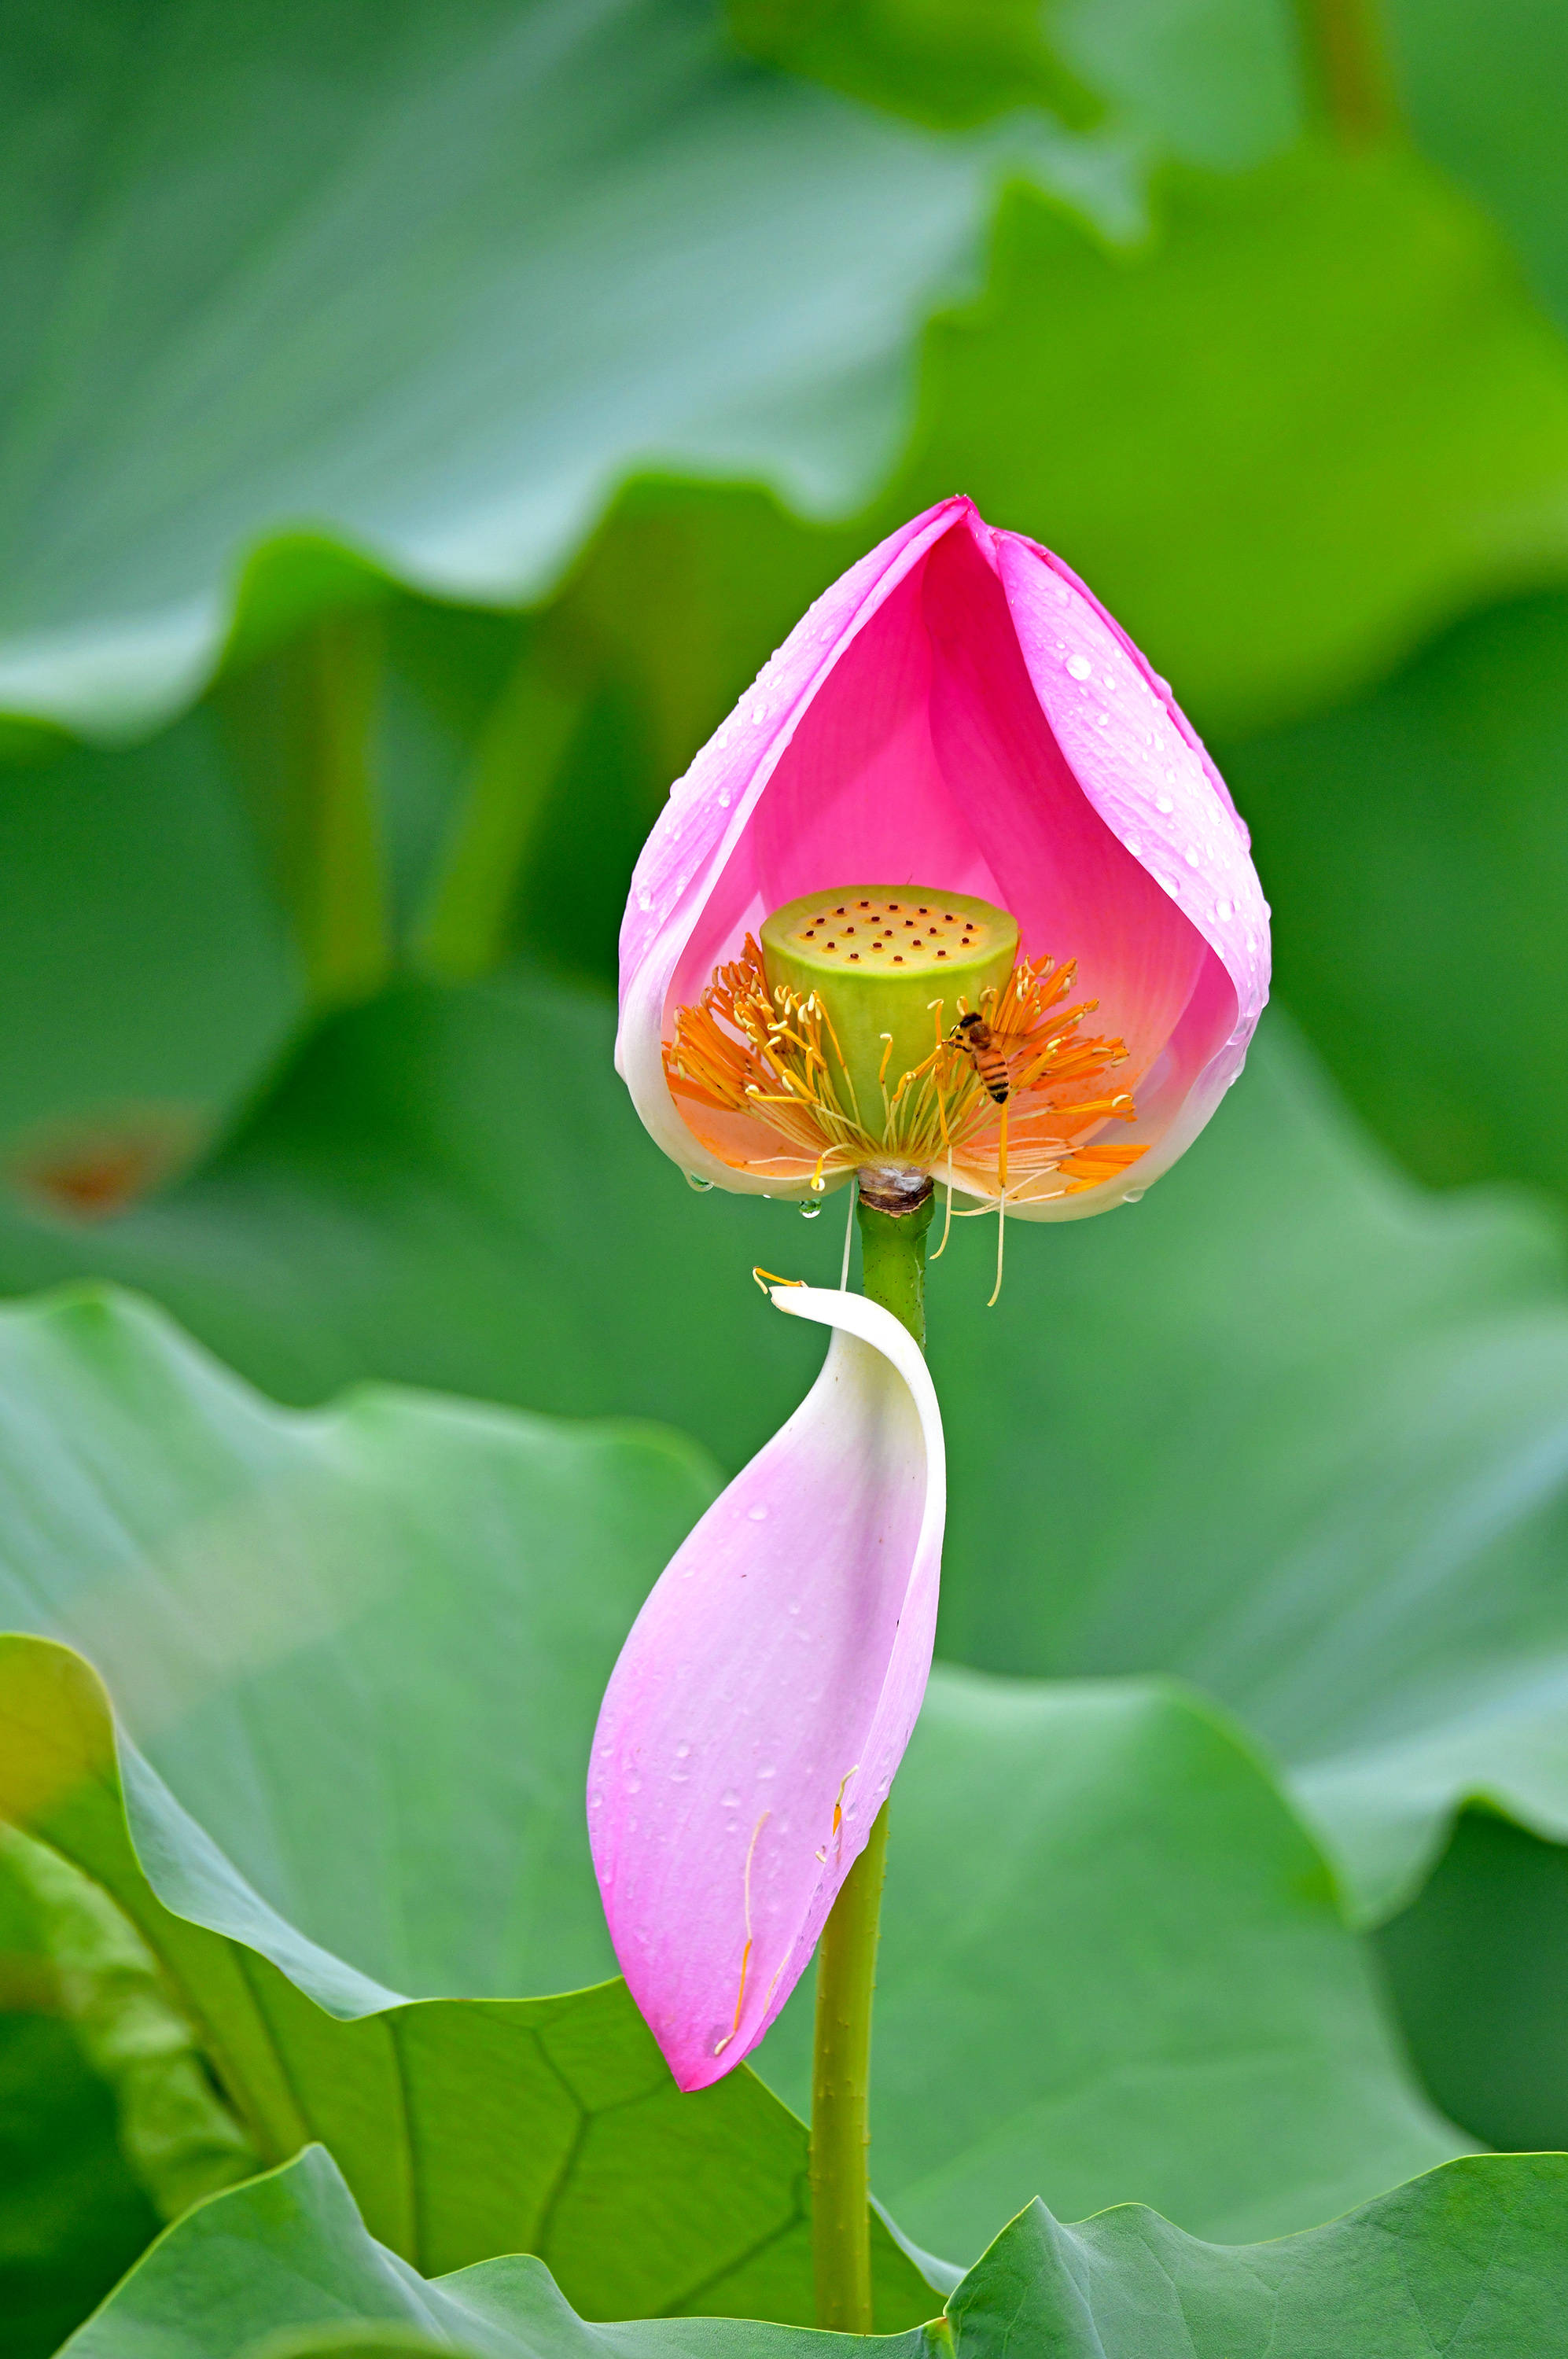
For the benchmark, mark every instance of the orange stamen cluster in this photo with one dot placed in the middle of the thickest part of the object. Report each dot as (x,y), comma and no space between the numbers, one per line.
(774,1057)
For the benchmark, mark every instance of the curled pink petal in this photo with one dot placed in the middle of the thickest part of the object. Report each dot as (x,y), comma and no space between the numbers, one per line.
(959,712)
(762,1703)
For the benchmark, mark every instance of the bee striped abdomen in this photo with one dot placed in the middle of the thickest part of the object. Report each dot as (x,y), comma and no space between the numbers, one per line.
(974,1037)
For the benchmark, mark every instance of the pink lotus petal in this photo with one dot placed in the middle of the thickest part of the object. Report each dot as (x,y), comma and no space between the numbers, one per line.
(762,1703)
(958,711)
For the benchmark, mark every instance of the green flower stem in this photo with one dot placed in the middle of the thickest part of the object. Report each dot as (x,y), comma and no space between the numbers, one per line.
(893,1249)
(840,2074)
(893,1262)
(463,932)
(302,726)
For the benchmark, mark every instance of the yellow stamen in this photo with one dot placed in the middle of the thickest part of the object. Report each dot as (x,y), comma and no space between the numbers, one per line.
(769,1054)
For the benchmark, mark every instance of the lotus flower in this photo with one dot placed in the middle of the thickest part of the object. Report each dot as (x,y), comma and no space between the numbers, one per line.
(761,1705)
(956,736)
(957,817)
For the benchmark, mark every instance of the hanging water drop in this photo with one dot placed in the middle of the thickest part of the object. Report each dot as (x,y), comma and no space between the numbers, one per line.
(703,1187)
(810,1211)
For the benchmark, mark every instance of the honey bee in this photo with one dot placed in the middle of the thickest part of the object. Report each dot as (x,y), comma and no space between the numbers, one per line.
(979,1044)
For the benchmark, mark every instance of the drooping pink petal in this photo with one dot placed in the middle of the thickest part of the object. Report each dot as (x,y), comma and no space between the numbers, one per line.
(762,1703)
(960,712)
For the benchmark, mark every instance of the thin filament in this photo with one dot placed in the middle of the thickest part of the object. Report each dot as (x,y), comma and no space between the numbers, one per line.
(1001,1240)
(946,1223)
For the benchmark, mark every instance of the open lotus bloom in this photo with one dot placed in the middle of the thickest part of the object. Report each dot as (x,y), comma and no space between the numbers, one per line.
(762,1703)
(955,893)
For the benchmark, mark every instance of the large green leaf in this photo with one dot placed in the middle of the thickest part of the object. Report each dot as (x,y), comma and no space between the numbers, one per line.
(1417,844)
(371,336)
(361,1653)
(290,2254)
(1112,1969)
(1291,1428)
(1471,2258)
(413,297)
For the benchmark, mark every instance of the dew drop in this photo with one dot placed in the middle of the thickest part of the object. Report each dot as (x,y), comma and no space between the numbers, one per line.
(757,1515)
(1224,911)
(703,1187)
(1192,855)
(634,1783)
(766,1769)
(1164,803)
(1080,667)
(683,1751)
(1134,1196)
(596,1801)
(810,1211)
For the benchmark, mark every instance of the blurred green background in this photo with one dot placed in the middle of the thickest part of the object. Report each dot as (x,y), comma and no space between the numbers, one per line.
(421,422)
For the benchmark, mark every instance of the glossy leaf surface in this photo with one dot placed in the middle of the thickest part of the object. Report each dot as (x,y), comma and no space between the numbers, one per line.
(413,300)
(362,1653)
(1474,2251)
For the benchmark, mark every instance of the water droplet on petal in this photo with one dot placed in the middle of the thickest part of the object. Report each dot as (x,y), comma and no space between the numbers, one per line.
(1134,1195)
(730,1801)
(757,1515)
(810,1211)
(1080,667)
(1164,803)
(1224,911)
(1192,855)
(768,1770)
(683,1751)
(703,1187)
